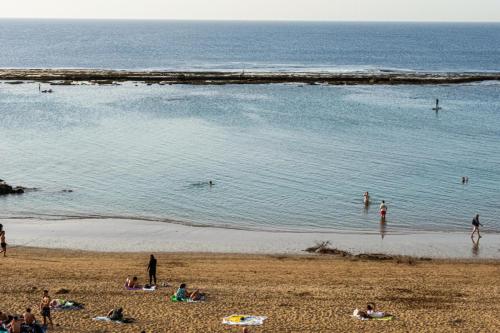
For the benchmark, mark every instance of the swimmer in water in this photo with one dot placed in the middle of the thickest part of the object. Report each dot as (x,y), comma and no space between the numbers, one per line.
(366,198)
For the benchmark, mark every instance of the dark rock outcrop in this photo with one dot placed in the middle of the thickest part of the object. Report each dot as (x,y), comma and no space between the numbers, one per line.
(8,189)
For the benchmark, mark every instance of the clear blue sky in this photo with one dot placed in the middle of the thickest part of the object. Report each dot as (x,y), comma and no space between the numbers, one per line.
(337,10)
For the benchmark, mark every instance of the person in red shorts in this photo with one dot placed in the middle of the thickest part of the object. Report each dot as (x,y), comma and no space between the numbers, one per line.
(383,209)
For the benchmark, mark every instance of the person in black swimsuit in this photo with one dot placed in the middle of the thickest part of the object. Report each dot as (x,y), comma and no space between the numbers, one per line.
(152,270)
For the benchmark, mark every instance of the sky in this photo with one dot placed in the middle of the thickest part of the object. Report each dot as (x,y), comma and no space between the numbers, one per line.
(321,10)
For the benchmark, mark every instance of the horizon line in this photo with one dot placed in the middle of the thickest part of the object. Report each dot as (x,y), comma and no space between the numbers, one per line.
(243,20)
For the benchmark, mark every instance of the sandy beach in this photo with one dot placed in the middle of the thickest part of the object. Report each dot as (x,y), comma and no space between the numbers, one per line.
(308,293)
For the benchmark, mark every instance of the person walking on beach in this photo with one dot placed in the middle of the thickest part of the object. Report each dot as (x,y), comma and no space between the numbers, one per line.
(475,226)
(3,244)
(45,308)
(383,209)
(152,270)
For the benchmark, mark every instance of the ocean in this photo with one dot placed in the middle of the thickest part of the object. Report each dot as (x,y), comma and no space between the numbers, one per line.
(256,46)
(282,157)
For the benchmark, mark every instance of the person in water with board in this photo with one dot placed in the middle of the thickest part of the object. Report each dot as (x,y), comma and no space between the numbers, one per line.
(437,108)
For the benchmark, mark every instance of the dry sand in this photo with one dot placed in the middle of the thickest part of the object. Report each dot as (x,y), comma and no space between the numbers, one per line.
(300,293)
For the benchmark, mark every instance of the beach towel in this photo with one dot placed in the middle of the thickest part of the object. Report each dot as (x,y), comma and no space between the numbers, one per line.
(244,320)
(150,288)
(34,328)
(136,288)
(106,319)
(123,321)
(62,304)
(173,298)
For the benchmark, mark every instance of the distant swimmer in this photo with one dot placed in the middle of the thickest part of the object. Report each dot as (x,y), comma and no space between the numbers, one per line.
(475,226)
(211,183)
(463,180)
(437,108)
(383,209)
(366,198)
(466,180)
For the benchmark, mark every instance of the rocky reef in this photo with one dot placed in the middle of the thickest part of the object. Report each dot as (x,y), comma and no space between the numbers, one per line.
(112,77)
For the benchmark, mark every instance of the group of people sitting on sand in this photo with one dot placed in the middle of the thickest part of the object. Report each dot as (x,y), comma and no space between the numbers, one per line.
(26,323)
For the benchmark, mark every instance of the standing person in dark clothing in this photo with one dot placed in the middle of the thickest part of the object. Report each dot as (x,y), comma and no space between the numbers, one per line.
(152,270)
(2,241)
(475,226)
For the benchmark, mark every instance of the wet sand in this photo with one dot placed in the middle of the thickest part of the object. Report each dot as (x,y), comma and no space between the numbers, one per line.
(307,293)
(104,76)
(139,235)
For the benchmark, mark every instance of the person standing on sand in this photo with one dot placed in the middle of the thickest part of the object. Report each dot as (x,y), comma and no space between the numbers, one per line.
(45,308)
(383,209)
(475,226)
(3,244)
(152,269)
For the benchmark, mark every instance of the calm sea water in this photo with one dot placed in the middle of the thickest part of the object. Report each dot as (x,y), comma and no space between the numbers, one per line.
(283,157)
(249,45)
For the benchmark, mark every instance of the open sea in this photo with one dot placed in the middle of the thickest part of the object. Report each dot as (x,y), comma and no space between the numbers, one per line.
(282,157)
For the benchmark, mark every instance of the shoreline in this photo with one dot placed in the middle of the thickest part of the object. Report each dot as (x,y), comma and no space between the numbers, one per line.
(127,236)
(107,76)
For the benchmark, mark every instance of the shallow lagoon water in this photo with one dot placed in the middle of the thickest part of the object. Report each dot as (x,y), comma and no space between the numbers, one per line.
(283,157)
